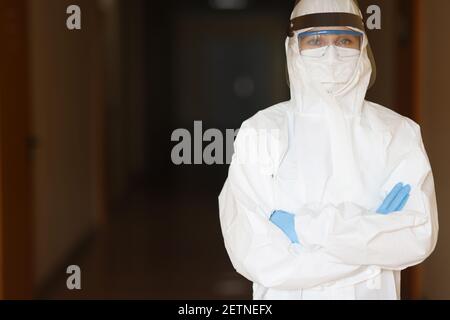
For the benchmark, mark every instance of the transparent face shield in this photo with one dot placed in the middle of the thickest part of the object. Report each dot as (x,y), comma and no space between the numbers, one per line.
(316,43)
(325,43)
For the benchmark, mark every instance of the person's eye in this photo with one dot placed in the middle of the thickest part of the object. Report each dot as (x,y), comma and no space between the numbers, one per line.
(345,42)
(314,42)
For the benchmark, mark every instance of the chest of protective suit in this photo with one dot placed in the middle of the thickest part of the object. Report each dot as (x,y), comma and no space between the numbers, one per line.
(307,175)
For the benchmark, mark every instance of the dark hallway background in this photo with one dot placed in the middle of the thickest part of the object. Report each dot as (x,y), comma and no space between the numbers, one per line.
(169,64)
(105,101)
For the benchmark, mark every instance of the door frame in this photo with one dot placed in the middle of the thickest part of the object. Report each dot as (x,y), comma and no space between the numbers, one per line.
(16,219)
(408,99)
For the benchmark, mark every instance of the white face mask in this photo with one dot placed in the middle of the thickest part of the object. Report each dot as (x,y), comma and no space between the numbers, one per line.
(331,66)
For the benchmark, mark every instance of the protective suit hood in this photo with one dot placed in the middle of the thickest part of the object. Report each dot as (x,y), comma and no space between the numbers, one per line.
(307,94)
(306,7)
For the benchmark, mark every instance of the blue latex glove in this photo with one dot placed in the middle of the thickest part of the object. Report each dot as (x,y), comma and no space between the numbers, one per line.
(396,199)
(286,222)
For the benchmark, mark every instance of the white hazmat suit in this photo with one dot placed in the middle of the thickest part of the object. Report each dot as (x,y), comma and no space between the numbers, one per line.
(330,159)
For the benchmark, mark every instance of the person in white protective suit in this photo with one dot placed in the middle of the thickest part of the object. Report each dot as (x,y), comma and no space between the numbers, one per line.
(328,196)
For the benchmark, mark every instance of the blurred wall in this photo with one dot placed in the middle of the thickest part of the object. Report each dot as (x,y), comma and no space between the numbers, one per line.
(116,117)
(136,89)
(127,94)
(435,116)
(65,82)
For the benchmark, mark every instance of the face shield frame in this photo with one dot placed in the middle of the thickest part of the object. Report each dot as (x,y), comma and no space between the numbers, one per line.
(333,19)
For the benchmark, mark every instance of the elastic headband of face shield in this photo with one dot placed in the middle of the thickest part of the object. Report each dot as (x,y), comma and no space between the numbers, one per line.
(333,19)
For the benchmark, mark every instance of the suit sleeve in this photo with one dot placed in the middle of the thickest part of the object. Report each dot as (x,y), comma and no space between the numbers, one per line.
(358,236)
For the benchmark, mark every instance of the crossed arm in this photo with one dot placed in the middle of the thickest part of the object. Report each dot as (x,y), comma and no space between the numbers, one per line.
(345,238)
(395,201)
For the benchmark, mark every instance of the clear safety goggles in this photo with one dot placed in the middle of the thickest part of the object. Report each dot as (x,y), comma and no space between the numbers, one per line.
(316,43)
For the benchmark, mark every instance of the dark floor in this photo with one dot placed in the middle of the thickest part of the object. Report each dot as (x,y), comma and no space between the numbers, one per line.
(156,249)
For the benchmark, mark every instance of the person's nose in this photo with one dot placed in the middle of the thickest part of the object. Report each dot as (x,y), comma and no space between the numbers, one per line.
(331,54)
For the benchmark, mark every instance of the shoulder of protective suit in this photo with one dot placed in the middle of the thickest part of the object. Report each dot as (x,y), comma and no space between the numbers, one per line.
(391,120)
(273,117)
(264,137)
